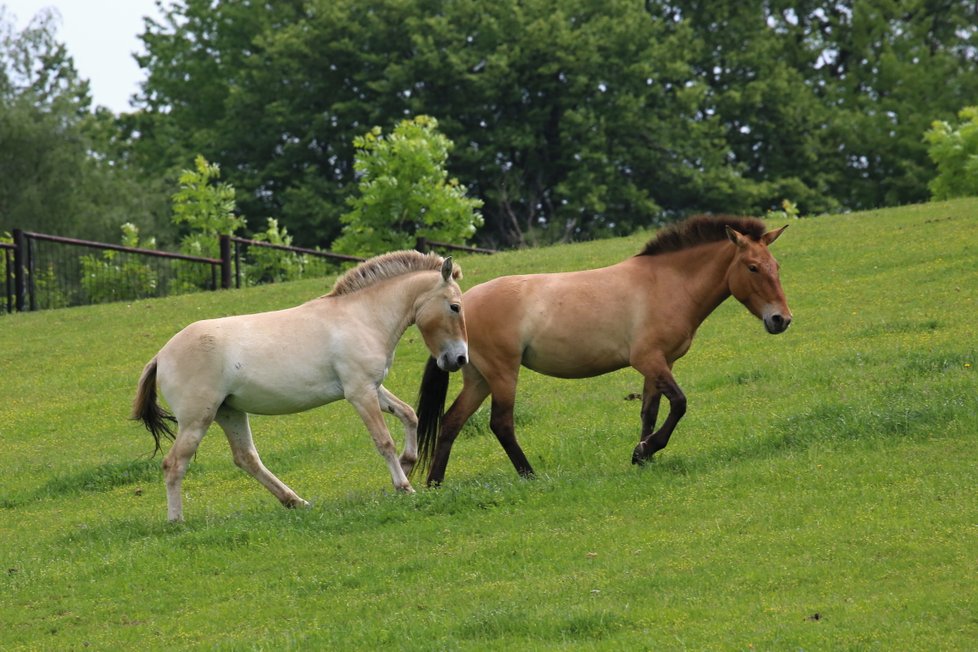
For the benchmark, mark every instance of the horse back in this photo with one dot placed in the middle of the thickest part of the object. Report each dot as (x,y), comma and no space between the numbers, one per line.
(568,324)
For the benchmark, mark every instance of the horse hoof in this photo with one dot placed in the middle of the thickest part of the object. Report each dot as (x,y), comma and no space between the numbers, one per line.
(406,489)
(407,465)
(638,455)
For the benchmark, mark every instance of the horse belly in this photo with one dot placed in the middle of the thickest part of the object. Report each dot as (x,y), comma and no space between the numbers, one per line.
(574,357)
(267,382)
(286,397)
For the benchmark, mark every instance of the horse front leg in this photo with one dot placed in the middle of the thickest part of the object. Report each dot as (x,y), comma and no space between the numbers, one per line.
(366,401)
(651,397)
(474,392)
(661,384)
(404,412)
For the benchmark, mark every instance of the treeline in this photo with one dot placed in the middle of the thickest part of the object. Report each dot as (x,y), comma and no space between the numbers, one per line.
(570,119)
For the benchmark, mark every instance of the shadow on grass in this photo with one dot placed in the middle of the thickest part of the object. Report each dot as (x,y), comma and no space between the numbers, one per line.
(898,413)
(109,476)
(502,622)
(102,478)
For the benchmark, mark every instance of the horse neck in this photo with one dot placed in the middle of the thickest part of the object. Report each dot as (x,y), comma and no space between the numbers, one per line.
(394,302)
(701,274)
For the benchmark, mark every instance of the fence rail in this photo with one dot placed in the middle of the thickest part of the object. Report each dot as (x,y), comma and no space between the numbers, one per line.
(242,244)
(49,271)
(425,245)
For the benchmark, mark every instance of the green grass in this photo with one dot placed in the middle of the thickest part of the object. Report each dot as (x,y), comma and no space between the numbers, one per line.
(819,493)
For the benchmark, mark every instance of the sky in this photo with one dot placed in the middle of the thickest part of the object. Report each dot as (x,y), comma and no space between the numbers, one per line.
(101,37)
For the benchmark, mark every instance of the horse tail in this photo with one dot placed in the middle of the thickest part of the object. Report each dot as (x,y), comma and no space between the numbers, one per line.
(431,409)
(145,408)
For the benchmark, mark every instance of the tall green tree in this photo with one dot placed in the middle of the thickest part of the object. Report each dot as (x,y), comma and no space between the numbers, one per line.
(59,171)
(884,69)
(571,118)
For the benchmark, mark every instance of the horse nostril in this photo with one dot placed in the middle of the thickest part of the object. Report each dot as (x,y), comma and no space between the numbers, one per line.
(461,360)
(778,320)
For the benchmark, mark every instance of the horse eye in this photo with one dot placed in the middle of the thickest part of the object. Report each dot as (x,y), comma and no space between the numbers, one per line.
(456,307)
(752,268)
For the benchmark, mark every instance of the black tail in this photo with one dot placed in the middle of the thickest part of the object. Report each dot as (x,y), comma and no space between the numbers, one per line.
(146,409)
(431,408)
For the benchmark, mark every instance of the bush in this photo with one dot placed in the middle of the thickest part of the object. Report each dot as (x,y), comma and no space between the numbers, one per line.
(114,276)
(955,151)
(266,265)
(405,192)
(207,208)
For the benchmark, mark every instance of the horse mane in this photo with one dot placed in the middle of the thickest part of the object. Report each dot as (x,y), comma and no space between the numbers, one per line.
(380,268)
(701,229)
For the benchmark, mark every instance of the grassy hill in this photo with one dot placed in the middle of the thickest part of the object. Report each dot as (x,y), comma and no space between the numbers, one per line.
(819,493)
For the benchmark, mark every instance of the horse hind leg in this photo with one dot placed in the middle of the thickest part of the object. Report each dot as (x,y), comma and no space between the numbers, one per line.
(502,425)
(238,430)
(502,384)
(404,412)
(176,461)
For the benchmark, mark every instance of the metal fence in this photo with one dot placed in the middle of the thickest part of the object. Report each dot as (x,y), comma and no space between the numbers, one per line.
(8,277)
(270,263)
(43,271)
(46,271)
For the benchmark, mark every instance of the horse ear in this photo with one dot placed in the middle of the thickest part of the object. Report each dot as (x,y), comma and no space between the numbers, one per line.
(735,237)
(446,269)
(771,236)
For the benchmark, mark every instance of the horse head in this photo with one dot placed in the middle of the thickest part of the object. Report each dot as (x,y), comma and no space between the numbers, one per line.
(440,319)
(754,281)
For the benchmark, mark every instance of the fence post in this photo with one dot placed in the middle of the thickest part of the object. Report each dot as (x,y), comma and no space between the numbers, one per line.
(225,262)
(20,262)
(421,244)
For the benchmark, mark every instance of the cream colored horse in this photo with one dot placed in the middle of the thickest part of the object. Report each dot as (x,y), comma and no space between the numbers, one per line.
(340,345)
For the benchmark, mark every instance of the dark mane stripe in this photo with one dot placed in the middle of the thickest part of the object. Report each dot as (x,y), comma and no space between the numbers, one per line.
(387,266)
(701,229)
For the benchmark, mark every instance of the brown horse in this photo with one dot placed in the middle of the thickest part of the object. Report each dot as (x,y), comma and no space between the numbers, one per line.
(642,312)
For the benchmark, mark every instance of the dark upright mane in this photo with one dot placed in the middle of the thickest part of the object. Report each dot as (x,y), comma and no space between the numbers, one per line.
(701,229)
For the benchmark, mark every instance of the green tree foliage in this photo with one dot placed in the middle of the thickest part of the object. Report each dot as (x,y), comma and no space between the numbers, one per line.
(60,169)
(207,207)
(885,69)
(268,265)
(405,192)
(571,118)
(954,149)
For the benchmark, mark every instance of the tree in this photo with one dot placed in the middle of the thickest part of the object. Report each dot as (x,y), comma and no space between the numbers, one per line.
(198,57)
(58,170)
(954,149)
(405,192)
(885,69)
(572,119)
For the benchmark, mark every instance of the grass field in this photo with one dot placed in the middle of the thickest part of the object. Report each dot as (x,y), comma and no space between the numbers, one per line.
(819,494)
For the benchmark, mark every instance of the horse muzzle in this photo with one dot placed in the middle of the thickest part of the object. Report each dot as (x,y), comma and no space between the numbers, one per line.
(776,323)
(454,358)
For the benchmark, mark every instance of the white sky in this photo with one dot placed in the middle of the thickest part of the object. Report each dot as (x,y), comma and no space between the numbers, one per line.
(101,37)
